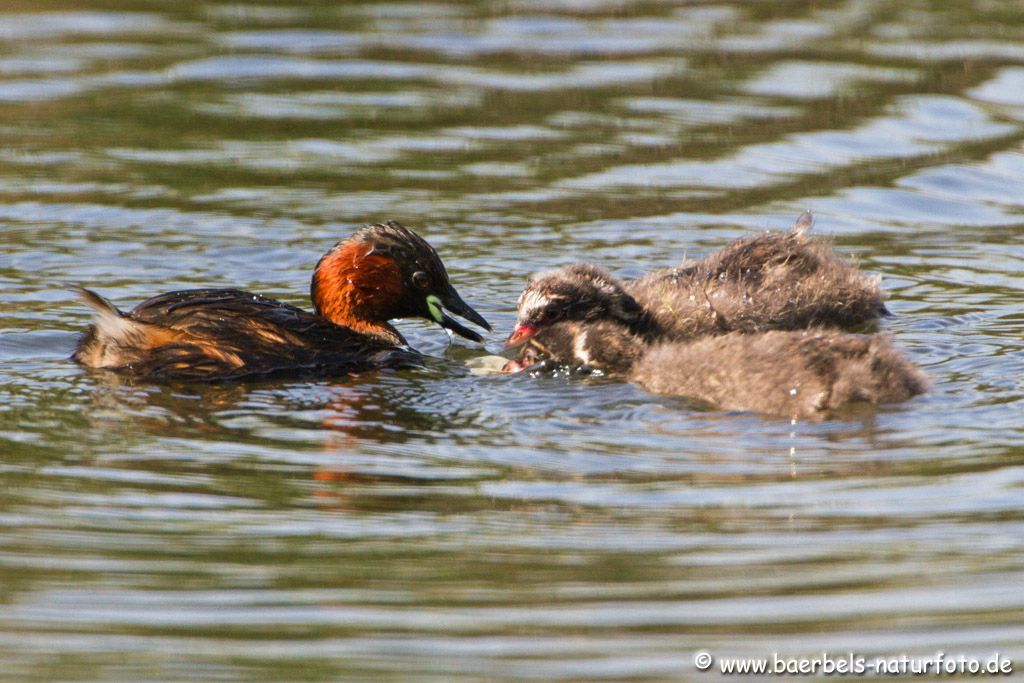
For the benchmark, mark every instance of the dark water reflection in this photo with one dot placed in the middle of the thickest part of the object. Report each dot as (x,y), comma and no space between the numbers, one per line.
(434,524)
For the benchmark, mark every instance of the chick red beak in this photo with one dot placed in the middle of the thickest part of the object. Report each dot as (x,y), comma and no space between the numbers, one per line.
(513,366)
(520,334)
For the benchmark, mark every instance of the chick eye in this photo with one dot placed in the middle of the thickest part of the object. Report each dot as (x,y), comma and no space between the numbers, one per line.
(550,314)
(421,279)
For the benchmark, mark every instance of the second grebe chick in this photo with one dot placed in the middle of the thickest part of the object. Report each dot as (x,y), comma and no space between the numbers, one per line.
(609,348)
(380,273)
(805,374)
(777,280)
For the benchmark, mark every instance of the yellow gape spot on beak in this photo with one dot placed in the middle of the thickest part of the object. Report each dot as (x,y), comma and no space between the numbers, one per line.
(434,304)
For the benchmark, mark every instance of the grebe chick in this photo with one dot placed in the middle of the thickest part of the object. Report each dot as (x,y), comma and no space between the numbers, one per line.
(776,280)
(380,273)
(806,374)
(607,347)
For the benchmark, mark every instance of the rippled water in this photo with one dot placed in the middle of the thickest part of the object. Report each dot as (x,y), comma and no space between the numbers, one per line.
(435,524)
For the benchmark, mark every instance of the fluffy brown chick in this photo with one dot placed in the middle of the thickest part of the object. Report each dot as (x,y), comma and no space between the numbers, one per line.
(806,374)
(772,281)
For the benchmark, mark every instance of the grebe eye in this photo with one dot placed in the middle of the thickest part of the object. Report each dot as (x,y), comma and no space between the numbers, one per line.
(421,279)
(550,314)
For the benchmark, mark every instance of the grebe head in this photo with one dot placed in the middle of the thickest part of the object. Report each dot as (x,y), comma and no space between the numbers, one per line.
(383,272)
(548,349)
(602,346)
(580,292)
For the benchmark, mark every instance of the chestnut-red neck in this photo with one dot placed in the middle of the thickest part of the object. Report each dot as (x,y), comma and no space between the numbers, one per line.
(359,289)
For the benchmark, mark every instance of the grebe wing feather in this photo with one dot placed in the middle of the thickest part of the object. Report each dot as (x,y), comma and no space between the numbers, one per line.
(187,307)
(190,362)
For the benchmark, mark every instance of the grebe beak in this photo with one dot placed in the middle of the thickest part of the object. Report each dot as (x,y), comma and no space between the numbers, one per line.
(527,360)
(520,334)
(454,303)
(513,366)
